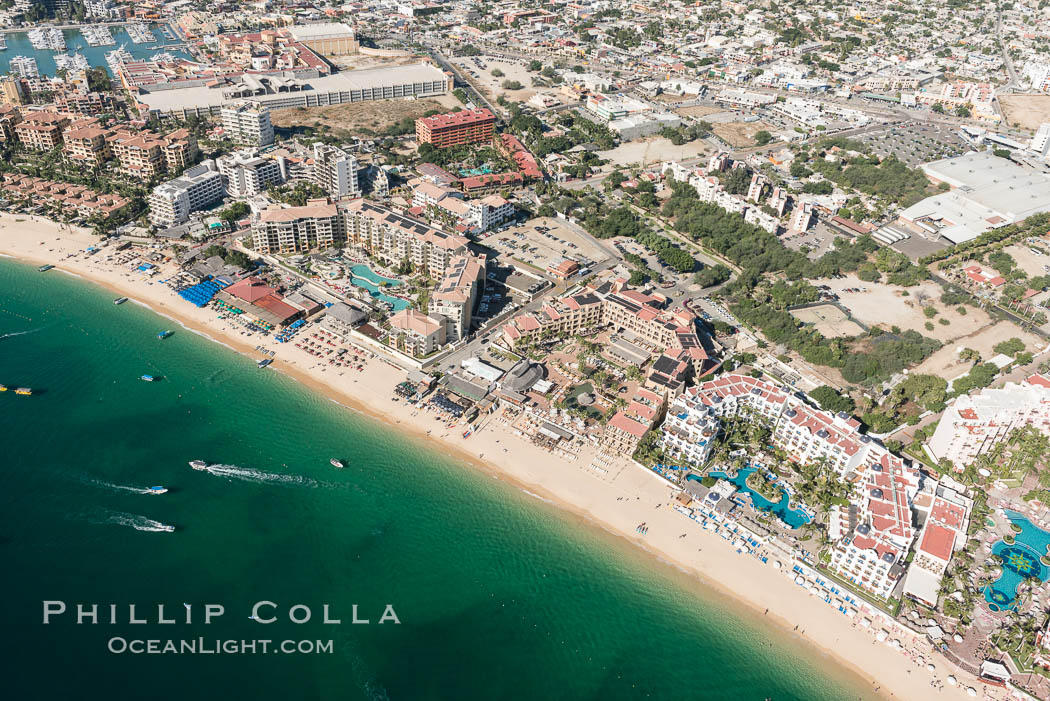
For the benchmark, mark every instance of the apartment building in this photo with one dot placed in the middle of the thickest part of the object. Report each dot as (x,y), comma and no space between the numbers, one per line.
(86,146)
(41,131)
(141,155)
(10,116)
(280,229)
(416,333)
(335,172)
(395,237)
(450,207)
(247,122)
(245,174)
(198,188)
(456,128)
(145,154)
(976,422)
(456,294)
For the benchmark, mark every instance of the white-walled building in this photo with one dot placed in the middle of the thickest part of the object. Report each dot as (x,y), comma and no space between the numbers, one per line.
(247,122)
(197,188)
(975,423)
(335,172)
(246,174)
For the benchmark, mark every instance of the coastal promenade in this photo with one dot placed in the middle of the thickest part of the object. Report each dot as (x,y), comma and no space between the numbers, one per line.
(616,501)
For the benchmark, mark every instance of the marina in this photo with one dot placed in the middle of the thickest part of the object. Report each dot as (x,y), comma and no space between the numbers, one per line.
(18,44)
(98,36)
(47,39)
(140,33)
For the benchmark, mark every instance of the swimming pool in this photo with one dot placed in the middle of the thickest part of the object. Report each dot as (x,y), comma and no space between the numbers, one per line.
(792,518)
(363,277)
(1020,562)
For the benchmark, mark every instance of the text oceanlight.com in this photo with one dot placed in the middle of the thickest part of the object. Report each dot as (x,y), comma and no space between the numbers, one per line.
(205,646)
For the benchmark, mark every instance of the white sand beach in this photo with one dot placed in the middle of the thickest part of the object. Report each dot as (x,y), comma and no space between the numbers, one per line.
(617,501)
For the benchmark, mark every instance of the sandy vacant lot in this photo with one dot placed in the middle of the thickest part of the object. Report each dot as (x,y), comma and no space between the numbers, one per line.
(698,111)
(885,306)
(1026,111)
(361,117)
(945,362)
(491,86)
(740,134)
(1028,260)
(829,321)
(652,149)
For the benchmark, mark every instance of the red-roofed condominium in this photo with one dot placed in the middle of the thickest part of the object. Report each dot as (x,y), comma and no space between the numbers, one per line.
(456,128)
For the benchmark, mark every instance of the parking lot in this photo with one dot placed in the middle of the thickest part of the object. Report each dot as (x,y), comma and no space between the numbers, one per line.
(915,143)
(817,240)
(543,242)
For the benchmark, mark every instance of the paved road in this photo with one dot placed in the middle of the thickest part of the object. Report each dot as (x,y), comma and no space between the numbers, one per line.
(452,68)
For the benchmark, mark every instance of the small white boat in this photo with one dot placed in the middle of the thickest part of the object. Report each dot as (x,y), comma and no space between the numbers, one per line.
(157,490)
(336,463)
(198,465)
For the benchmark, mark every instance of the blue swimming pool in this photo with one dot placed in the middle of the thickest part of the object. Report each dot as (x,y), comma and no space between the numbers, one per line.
(363,277)
(792,518)
(1020,562)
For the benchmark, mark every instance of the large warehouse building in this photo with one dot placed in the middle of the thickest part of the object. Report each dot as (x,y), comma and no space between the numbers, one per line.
(986,192)
(276,91)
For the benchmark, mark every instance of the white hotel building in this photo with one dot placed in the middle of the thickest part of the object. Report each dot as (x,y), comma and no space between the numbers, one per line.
(975,423)
(873,534)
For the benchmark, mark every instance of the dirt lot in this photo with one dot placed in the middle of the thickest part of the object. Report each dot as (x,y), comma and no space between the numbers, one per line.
(829,321)
(491,86)
(884,305)
(652,149)
(360,117)
(361,61)
(945,362)
(741,134)
(698,110)
(1026,111)
(1029,261)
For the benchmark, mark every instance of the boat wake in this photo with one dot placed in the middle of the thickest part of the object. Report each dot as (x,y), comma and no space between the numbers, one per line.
(247,474)
(19,333)
(139,523)
(122,487)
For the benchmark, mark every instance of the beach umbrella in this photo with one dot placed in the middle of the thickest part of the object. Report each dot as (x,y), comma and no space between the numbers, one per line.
(952,680)
(957,638)
(931,668)
(970,691)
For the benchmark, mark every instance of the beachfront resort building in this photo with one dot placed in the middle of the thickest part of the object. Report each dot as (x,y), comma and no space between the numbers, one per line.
(615,305)
(394,237)
(335,172)
(625,430)
(246,174)
(454,297)
(416,333)
(247,122)
(198,188)
(976,422)
(285,230)
(947,518)
(456,128)
(873,534)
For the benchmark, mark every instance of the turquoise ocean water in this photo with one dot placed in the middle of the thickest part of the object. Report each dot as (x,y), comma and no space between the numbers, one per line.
(500,596)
